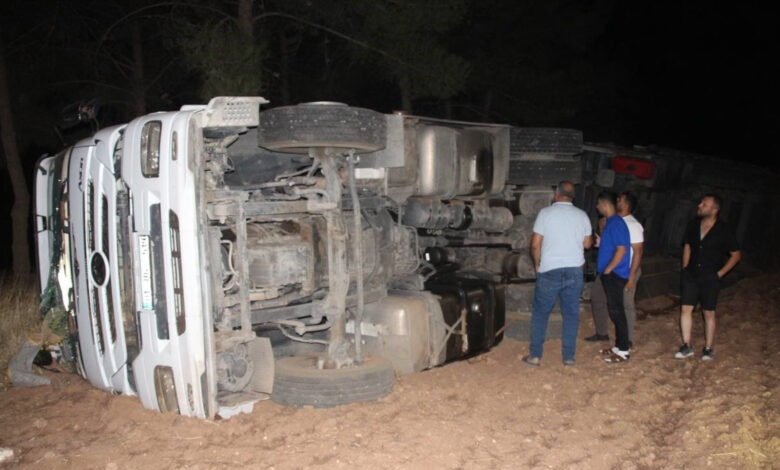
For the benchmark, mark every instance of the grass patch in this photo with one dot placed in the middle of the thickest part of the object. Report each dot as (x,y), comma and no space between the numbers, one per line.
(19,317)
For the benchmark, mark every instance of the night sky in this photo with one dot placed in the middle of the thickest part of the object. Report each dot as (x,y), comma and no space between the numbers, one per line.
(691,75)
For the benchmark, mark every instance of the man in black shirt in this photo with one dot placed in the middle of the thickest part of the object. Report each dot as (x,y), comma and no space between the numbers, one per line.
(710,251)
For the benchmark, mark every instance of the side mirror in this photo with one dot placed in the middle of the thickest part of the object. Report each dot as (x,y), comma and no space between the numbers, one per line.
(77,113)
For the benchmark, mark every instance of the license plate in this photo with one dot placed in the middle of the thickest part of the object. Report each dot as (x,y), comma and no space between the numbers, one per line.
(146,272)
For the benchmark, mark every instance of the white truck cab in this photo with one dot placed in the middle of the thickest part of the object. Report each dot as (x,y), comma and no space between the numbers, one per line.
(120,265)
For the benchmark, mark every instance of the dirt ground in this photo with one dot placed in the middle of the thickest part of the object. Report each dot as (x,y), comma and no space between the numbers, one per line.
(493,411)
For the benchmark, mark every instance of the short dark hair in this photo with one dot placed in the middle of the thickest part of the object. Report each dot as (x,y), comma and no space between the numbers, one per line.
(715,198)
(631,200)
(608,196)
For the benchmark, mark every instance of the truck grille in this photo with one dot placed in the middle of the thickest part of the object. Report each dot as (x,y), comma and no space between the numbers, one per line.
(158,273)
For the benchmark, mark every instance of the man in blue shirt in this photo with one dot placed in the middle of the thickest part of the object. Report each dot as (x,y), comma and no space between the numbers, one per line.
(613,264)
(561,233)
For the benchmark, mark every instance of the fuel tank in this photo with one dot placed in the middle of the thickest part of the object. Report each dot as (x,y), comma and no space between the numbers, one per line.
(450,159)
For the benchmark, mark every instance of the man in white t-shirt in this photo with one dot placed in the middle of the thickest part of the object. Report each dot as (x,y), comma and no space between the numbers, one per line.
(561,233)
(626,204)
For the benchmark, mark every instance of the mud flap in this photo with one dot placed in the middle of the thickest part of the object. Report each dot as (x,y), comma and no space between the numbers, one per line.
(263,357)
(260,385)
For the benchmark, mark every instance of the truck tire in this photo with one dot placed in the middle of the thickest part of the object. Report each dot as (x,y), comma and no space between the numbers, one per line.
(295,129)
(545,140)
(298,382)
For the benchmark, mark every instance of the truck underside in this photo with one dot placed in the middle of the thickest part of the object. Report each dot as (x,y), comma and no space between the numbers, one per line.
(325,217)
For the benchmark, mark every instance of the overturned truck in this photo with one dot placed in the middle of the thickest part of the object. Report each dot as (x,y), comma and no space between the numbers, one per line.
(208,257)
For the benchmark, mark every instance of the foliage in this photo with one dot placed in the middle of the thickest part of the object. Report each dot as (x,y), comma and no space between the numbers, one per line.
(542,65)
(411,36)
(229,62)
(19,314)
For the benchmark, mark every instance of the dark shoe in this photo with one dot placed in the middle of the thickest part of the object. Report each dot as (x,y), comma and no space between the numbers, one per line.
(685,352)
(706,354)
(597,337)
(531,361)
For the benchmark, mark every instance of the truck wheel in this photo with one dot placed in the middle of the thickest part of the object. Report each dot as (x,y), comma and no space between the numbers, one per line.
(298,382)
(295,129)
(545,140)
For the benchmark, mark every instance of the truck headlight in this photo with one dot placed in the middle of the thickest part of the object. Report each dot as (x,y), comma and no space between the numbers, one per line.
(150,148)
(165,387)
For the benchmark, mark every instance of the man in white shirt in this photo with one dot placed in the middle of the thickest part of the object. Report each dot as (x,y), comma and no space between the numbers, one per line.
(626,205)
(561,233)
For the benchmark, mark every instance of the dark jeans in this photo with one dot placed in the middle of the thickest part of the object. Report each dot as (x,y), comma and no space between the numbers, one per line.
(613,288)
(566,284)
(598,303)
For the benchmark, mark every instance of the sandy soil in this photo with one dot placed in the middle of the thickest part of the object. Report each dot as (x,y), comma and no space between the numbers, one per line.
(653,412)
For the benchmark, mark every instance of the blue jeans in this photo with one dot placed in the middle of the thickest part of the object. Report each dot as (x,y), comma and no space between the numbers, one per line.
(565,283)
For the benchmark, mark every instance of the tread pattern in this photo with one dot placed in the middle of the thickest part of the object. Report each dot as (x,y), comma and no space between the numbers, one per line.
(298,382)
(545,140)
(295,129)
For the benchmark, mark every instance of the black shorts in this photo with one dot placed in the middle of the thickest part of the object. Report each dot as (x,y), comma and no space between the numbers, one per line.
(702,287)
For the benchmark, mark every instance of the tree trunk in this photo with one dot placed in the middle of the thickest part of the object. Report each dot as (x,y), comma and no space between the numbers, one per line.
(284,67)
(486,105)
(139,89)
(448,108)
(405,85)
(20,212)
(244,19)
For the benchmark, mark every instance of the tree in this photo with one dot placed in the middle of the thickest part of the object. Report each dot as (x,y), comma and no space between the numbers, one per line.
(223,50)
(410,36)
(20,211)
(127,59)
(536,62)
